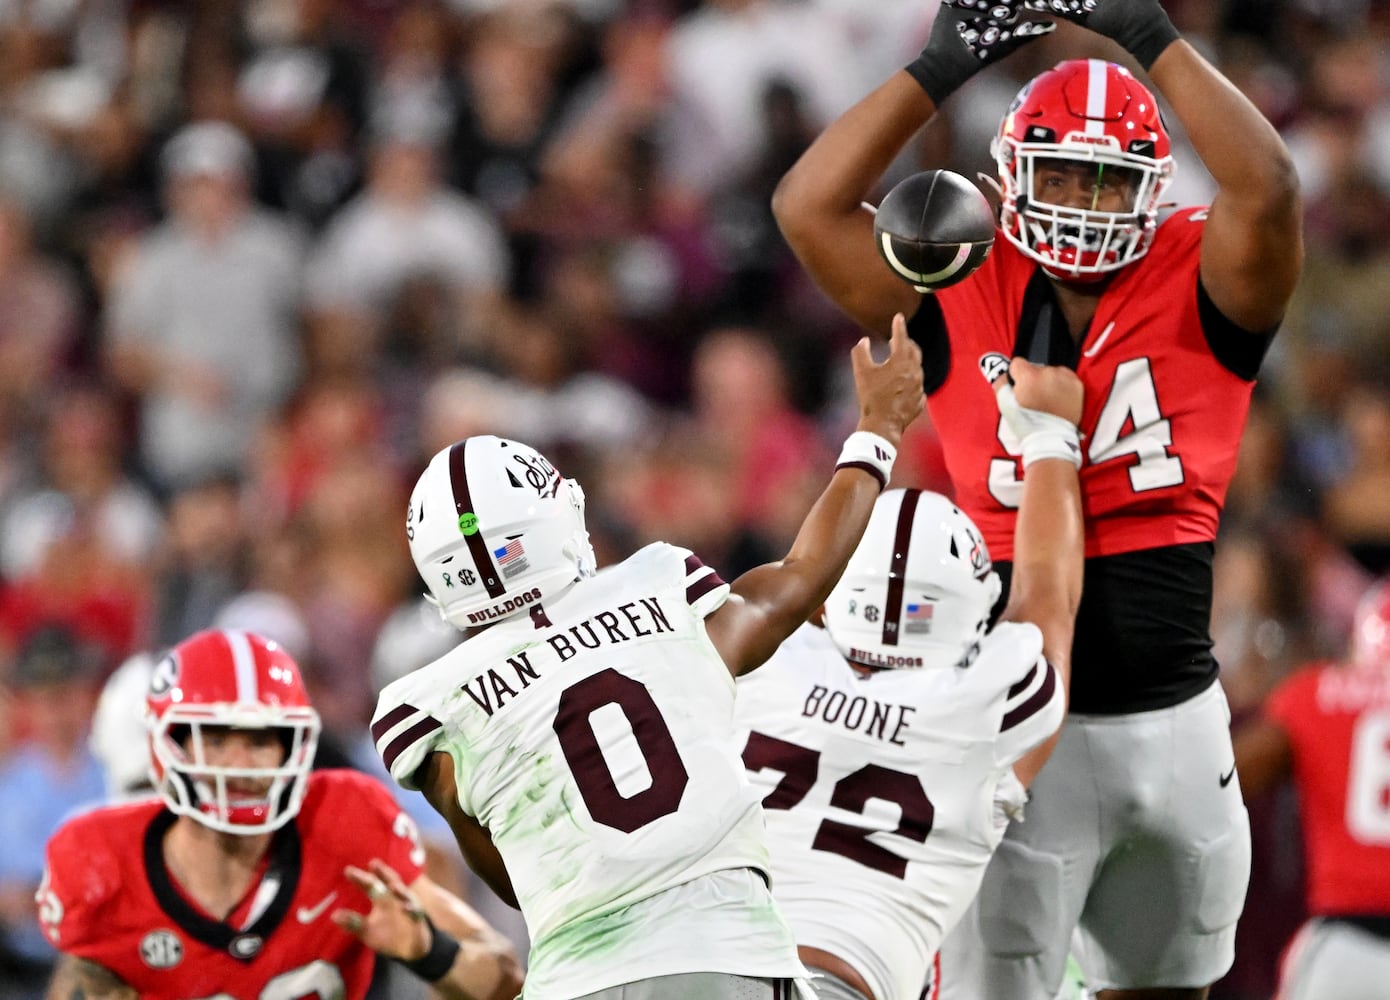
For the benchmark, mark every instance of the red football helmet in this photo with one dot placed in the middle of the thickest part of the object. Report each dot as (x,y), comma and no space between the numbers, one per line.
(1370,639)
(225,678)
(1093,112)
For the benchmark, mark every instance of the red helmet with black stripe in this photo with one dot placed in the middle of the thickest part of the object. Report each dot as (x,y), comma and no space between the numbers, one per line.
(1092,112)
(229,680)
(494,530)
(919,589)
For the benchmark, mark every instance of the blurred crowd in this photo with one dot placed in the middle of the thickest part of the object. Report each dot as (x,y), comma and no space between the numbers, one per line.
(260,259)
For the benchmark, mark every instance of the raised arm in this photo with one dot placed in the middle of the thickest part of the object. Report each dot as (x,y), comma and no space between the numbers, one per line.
(1252,246)
(820,203)
(1043,406)
(768,603)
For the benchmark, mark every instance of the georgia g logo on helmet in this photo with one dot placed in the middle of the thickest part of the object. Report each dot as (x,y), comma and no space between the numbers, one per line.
(164,676)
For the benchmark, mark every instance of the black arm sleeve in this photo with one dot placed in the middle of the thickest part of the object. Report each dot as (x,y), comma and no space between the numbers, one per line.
(1238,350)
(928,328)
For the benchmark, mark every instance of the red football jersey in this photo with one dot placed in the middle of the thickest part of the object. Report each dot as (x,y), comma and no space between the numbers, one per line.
(1338,722)
(108,897)
(1162,418)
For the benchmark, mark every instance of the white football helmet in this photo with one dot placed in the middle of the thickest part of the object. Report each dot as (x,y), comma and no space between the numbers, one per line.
(223,678)
(119,739)
(918,590)
(495,530)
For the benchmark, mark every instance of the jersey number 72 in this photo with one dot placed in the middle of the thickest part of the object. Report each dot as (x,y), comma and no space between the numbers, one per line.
(799,766)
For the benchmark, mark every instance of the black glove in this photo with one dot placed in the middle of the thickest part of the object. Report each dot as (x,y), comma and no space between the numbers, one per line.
(1140,26)
(968,35)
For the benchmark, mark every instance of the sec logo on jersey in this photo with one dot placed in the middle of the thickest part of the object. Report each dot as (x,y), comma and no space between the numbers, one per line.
(161,949)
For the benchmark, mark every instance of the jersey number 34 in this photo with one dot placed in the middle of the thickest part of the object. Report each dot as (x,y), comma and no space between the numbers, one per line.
(852,793)
(1133,403)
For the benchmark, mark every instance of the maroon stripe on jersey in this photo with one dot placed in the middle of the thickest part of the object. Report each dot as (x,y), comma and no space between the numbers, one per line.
(1022,685)
(702,586)
(897,568)
(463,504)
(391,720)
(412,735)
(1034,704)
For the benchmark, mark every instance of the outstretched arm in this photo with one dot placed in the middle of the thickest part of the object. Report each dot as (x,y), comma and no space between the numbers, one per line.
(1252,246)
(768,603)
(821,207)
(820,203)
(1043,406)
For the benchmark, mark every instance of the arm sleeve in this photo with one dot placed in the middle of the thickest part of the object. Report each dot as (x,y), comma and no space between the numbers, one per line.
(1240,351)
(1033,709)
(73,894)
(404,736)
(928,328)
(705,591)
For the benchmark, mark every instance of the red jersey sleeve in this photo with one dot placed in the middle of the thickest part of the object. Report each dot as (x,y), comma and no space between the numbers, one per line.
(82,882)
(360,812)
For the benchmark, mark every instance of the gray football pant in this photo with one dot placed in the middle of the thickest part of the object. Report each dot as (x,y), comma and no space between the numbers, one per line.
(1135,833)
(1330,959)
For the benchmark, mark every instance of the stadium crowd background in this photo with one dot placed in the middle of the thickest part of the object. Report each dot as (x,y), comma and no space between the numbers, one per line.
(225,354)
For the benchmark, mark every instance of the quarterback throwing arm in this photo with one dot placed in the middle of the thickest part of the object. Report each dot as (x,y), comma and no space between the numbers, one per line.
(579,741)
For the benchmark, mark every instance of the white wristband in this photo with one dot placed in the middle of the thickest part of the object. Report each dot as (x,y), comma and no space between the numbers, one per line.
(866,450)
(1042,435)
(1063,444)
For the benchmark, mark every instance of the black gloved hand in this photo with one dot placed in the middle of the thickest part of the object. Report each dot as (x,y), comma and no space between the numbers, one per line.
(968,35)
(1140,26)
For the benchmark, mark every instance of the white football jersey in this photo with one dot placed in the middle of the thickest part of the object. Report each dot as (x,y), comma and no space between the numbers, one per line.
(886,794)
(595,741)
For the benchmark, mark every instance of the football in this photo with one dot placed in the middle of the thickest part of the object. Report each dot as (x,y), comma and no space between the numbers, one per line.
(934,229)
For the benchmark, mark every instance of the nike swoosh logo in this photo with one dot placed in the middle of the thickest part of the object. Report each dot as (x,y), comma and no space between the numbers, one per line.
(308,914)
(1096,346)
(1226,778)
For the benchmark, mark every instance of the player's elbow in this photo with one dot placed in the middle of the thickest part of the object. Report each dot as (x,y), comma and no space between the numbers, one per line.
(784,208)
(1276,186)
(792,207)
